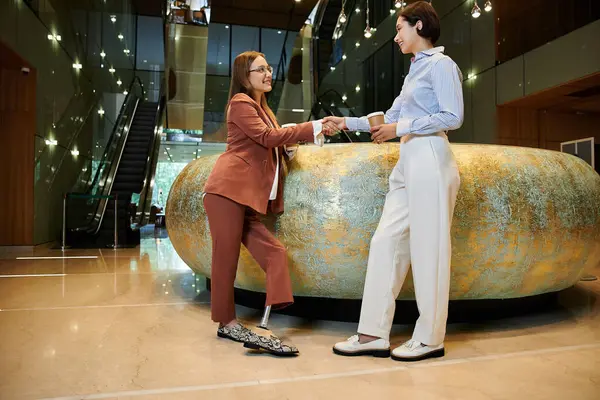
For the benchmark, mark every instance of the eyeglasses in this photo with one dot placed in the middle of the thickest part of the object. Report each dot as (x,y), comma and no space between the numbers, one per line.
(263,70)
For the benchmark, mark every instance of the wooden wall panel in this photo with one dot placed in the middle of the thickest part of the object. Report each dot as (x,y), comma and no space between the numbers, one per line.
(17,131)
(518,127)
(544,129)
(563,127)
(522,26)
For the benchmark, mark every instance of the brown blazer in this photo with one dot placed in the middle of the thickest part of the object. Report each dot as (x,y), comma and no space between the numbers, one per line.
(245,172)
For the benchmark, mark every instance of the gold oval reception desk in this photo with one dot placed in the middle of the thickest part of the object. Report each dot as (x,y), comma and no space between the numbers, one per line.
(527,221)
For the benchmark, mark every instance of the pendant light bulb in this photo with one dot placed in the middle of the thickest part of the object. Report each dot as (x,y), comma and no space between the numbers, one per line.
(476,11)
(488,6)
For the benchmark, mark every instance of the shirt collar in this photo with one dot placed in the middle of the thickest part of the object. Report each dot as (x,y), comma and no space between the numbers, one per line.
(429,52)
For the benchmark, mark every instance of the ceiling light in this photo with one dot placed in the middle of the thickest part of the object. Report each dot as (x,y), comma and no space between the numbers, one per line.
(488,6)
(476,11)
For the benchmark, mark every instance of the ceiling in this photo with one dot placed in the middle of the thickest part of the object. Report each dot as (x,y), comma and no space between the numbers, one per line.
(149,7)
(262,13)
(582,95)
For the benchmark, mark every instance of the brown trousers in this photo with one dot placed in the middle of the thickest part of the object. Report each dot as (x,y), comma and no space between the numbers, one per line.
(231,224)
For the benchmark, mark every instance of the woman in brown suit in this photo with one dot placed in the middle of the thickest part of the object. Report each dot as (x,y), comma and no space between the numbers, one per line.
(247,180)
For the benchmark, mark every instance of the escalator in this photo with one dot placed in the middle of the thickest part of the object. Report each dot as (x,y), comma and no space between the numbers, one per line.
(105,215)
(129,178)
(331,103)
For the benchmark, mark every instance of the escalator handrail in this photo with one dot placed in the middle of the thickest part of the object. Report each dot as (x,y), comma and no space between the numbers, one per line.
(283,57)
(321,96)
(130,95)
(319,16)
(145,202)
(114,166)
(96,222)
(332,90)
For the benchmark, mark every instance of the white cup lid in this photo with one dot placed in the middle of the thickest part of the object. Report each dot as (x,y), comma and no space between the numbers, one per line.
(375,114)
(288,125)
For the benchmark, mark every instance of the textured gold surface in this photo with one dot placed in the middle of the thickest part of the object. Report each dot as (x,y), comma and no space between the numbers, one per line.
(527,221)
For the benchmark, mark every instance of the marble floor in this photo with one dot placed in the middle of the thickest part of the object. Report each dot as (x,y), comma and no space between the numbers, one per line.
(135,324)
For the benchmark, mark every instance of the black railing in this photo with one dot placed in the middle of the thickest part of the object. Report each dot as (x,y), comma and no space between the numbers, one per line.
(145,202)
(281,65)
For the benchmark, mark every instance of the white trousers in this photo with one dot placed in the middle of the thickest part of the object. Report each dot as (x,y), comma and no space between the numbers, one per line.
(414,229)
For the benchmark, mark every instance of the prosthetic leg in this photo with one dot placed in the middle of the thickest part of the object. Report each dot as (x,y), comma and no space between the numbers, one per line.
(265,318)
(271,344)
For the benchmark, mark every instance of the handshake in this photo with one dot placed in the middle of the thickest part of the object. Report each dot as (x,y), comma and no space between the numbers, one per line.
(333,125)
(380,132)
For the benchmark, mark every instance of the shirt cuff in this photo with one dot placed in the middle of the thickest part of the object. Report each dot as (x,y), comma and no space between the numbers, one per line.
(317,132)
(357,124)
(403,127)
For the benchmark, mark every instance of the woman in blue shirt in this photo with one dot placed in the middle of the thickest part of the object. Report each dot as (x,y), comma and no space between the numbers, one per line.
(415,224)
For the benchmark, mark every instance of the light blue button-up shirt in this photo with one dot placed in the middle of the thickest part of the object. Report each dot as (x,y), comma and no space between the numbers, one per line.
(431,99)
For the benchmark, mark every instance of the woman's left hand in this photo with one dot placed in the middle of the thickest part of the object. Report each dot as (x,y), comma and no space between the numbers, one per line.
(383,133)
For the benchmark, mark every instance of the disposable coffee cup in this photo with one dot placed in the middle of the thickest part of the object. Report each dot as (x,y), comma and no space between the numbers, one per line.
(288,125)
(376,118)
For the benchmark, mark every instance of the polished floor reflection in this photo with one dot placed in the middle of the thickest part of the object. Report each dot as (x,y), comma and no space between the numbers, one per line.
(135,324)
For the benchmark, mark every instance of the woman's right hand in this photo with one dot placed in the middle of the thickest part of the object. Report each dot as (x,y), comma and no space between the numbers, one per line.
(339,122)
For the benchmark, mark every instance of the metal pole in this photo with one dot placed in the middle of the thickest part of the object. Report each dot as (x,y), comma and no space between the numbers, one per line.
(265,319)
(116,231)
(64,223)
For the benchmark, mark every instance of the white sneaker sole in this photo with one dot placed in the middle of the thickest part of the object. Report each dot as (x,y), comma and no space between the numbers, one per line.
(432,354)
(371,352)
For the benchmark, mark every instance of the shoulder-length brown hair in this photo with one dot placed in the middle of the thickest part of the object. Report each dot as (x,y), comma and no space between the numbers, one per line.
(240,83)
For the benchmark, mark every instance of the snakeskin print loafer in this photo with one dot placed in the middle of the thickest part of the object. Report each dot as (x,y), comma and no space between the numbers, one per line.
(238,333)
(272,345)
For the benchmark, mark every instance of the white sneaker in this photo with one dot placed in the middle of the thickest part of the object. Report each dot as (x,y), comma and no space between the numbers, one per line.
(352,347)
(415,351)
